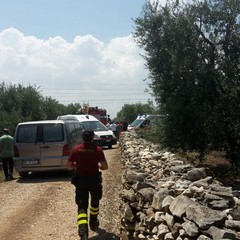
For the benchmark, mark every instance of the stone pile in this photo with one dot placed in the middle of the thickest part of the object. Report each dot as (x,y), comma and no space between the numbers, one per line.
(165,199)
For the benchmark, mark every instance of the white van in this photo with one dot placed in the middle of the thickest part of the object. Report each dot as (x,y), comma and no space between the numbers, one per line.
(102,135)
(45,145)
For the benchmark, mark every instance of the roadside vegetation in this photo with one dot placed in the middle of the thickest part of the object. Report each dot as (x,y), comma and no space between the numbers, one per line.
(192,51)
(19,103)
(129,112)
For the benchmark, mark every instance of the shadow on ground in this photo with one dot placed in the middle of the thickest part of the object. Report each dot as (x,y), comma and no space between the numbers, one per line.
(104,235)
(50,176)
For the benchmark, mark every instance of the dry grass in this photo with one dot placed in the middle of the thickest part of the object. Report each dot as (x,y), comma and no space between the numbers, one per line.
(218,163)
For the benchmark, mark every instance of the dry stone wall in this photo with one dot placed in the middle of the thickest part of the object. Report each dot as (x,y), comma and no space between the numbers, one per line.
(165,199)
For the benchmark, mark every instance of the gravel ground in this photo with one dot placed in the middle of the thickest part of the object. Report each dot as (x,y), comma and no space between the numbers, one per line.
(42,207)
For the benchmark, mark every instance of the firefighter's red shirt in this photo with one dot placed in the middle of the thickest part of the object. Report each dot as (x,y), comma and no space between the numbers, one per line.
(86,156)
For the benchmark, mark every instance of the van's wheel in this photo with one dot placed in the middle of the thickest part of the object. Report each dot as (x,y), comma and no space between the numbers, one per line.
(110,146)
(23,174)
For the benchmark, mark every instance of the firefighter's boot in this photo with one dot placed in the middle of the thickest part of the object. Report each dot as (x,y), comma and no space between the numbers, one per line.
(84,237)
(83,226)
(83,232)
(93,222)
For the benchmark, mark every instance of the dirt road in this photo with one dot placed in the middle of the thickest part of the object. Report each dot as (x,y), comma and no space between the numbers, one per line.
(42,207)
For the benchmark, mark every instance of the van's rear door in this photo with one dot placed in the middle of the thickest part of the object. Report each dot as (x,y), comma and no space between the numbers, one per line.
(51,144)
(27,144)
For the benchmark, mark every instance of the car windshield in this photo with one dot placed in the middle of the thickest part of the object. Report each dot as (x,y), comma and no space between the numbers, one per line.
(136,123)
(96,126)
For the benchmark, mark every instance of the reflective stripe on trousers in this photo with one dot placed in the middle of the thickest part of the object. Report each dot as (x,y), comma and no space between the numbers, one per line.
(82,224)
(94,211)
(82,218)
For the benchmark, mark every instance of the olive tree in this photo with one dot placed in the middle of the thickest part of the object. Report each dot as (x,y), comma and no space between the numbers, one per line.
(129,112)
(192,51)
(19,103)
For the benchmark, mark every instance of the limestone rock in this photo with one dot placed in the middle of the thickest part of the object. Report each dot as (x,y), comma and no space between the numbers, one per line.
(205,217)
(179,205)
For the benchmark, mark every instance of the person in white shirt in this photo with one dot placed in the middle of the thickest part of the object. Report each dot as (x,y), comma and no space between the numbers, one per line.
(113,127)
(108,125)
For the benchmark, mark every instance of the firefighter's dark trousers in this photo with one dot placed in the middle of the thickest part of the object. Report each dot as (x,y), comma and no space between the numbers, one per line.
(87,186)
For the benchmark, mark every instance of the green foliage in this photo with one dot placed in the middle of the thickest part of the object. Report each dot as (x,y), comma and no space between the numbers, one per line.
(73,108)
(51,108)
(129,112)
(192,52)
(20,104)
(151,134)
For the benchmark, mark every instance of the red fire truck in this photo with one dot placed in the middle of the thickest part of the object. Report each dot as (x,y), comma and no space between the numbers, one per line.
(99,113)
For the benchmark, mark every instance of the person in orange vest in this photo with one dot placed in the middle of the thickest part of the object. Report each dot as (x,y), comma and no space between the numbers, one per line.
(87,159)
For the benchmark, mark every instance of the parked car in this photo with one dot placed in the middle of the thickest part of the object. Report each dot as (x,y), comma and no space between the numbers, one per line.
(102,135)
(45,145)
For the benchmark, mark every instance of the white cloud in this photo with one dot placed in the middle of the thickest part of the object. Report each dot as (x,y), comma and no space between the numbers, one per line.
(76,71)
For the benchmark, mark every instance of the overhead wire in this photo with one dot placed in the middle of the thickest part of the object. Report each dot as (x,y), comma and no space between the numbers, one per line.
(110,95)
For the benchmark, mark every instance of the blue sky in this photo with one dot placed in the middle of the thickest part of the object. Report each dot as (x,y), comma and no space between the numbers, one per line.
(76,51)
(104,19)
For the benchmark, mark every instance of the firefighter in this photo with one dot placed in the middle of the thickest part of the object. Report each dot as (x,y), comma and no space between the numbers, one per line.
(87,159)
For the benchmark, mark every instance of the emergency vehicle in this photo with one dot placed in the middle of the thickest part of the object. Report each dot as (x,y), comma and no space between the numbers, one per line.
(102,135)
(99,113)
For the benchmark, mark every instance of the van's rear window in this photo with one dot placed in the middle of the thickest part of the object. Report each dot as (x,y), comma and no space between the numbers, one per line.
(27,134)
(53,133)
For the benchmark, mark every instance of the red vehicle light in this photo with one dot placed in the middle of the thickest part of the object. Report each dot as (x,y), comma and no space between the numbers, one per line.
(16,152)
(66,150)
